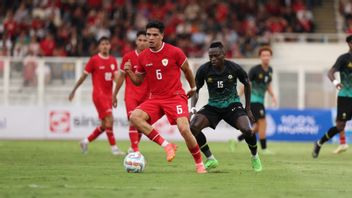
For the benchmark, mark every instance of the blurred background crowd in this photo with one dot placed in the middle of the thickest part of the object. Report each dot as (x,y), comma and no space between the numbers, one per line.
(71,27)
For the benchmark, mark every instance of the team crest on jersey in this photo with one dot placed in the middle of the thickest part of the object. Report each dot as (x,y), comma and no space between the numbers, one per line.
(349,65)
(165,62)
(260,76)
(112,66)
(210,80)
(230,77)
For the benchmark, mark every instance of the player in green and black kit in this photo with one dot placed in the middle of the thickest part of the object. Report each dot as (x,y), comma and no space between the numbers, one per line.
(344,100)
(221,77)
(260,77)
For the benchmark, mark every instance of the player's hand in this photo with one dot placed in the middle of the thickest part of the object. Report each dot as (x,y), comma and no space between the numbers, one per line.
(274,102)
(190,93)
(114,102)
(71,96)
(339,86)
(128,66)
(250,115)
(192,112)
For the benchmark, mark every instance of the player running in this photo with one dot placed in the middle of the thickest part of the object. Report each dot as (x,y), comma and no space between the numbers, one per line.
(103,68)
(161,66)
(260,77)
(344,100)
(134,95)
(224,103)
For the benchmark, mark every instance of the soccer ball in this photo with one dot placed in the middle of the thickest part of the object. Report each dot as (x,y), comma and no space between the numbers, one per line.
(134,162)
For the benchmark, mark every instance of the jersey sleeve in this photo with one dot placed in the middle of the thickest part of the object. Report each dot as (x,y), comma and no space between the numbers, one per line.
(122,66)
(200,77)
(242,76)
(89,66)
(180,57)
(339,63)
(252,73)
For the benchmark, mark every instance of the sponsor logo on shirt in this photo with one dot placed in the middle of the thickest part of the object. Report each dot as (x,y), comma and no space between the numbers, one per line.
(149,64)
(165,62)
(102,67)
(349,65)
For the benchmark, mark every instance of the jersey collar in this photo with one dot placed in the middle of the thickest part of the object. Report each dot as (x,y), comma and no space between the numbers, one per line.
(162,46)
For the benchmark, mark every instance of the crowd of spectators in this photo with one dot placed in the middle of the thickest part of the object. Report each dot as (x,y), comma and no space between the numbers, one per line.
(345,8)
(71,27)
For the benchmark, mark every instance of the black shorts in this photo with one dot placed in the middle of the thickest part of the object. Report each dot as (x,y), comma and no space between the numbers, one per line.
(344,108)
(228,114)
(258,110)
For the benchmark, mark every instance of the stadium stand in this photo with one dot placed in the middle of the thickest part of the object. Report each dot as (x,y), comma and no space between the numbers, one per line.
(70,28)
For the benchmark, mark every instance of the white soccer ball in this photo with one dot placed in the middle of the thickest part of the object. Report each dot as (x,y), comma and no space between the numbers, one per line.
(134,162)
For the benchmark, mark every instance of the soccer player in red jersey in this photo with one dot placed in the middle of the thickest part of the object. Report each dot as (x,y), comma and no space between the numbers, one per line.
(103,68)
(134,95)
(161,66)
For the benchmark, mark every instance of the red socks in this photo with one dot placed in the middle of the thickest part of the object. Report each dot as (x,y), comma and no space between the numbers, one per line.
(110,136)
(135,138)
(97,131)
(155,137)
(196,154)
(342,138)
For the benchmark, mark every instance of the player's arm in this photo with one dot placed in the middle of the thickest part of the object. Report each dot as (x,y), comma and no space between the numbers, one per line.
(190,78)
(78,83)
(199,84)
(119,78)
(271,93)
(247,92)
(331,76)
(136,78)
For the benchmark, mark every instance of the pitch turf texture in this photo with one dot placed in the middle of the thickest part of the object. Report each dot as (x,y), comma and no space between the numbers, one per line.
(58,169)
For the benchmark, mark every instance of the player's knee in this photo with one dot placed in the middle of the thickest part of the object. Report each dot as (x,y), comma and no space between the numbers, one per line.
(135,117)
(340,126)
(184,130)
(247,132)
(195,128)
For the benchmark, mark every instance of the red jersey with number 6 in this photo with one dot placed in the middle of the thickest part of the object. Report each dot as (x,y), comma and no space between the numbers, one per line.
(103,70)
(163,70)
(132,91)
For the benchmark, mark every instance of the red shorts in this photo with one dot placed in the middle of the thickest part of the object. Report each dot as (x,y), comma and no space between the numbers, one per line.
(103,105)
(173,108)
(131,104)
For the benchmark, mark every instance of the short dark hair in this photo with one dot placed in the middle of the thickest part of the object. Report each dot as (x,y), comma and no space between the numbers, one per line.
(156,24)
(265,48)
(349,38)
(216,44)
(141,32)
(103,38)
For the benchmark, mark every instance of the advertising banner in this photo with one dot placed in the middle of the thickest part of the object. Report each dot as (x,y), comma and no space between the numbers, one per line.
(297,125)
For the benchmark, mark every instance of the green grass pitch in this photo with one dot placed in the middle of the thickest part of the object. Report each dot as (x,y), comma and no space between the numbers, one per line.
(58,169)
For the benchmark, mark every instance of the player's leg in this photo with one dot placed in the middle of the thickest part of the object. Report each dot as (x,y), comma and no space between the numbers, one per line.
(133,133)
(343,114)
(176,110)
(108,122)
(255,108)
(340,126)
(343,146)
(198,123)
(96,132)
(150,111)
(184,128)
(243,124)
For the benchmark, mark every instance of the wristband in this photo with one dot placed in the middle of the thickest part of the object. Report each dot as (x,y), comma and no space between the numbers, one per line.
(193,110)
(194,89)
(335,82)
